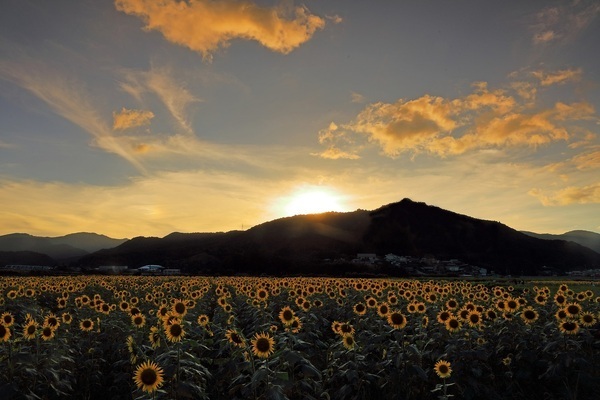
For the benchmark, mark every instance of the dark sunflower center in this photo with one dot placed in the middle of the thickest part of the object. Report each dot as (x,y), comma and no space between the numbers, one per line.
(383,309)
(148,377)
(453,323)
(443,369)
(263,345)
(176,330)
(287,315)
(47,332)
(397,319)
(346,328)
(587,318)
(3,331)
(474,318)
(235,338)
(138,320)
(87,324)
(52,321)
(573,309)
(529,314)
(180,308)
(31,329)
(569,326)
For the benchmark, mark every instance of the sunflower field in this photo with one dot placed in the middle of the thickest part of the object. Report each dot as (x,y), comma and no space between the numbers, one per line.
(117,337)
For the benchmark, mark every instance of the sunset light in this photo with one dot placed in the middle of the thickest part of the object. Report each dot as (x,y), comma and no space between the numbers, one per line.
(313,201)
(144,117)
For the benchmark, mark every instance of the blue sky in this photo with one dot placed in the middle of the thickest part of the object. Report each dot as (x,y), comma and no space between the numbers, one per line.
(137,117)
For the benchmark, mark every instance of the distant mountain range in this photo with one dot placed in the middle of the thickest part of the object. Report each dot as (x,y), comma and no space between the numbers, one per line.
(584,238)
(68,247)
(325,243)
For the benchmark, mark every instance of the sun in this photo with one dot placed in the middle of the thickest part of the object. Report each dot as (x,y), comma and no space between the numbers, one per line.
(313,201)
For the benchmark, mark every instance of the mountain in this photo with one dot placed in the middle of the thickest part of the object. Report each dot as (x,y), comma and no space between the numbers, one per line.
(60,248)
(25,257)
(300,244)
(584,238)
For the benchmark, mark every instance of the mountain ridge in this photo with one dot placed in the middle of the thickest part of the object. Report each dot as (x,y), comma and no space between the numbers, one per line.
(301,243)
(327,242)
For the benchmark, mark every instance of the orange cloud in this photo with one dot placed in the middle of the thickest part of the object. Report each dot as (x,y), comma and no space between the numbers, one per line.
(205,26)
(333,153)
(482,119)
(589,194)
(126,118)
(563,23)
(557,77)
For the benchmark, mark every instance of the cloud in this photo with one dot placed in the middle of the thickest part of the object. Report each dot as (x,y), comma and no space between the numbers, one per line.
(563,23)
(482,119)
(357,97)
(126,118)
(205,26)
(333,153)
(67,98)
(589,194)
(557,77)
(159,81)
(5,145)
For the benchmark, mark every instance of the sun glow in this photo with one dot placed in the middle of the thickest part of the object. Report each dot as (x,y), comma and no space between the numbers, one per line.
(312,201)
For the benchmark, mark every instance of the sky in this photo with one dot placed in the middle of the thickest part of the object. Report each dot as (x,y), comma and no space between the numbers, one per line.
(141,118)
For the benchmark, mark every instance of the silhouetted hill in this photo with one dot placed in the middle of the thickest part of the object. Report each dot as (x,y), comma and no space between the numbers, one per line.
(299,244)
(67,247)
(25,257)
(584,238)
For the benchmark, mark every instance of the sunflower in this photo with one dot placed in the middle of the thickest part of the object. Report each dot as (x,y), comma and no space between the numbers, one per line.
(346,329)
(179,308)
(396,319)
(7,319)
(561,314)
(383,310)
(235,338)
(348,342)
(262,295)
(295,326)
(443,369)
(154,337)
(203,320)
(263,345)
(587,319)
(572,309)
(451,304)
(569,327)
(148,376)
(174,331)
(360,309)
(453,324)
(286,316)
(474,319)
(4,333)
(86,325)
(138,320)
(529,315)
(47,332)
(443,316)
(512,305)
(30,329)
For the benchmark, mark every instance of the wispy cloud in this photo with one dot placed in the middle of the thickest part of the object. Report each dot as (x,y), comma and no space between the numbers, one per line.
(561,24)
(557,77)
(589,194)
(5,145)
(126,118)
(67,98)
(205,26)
(159,81)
